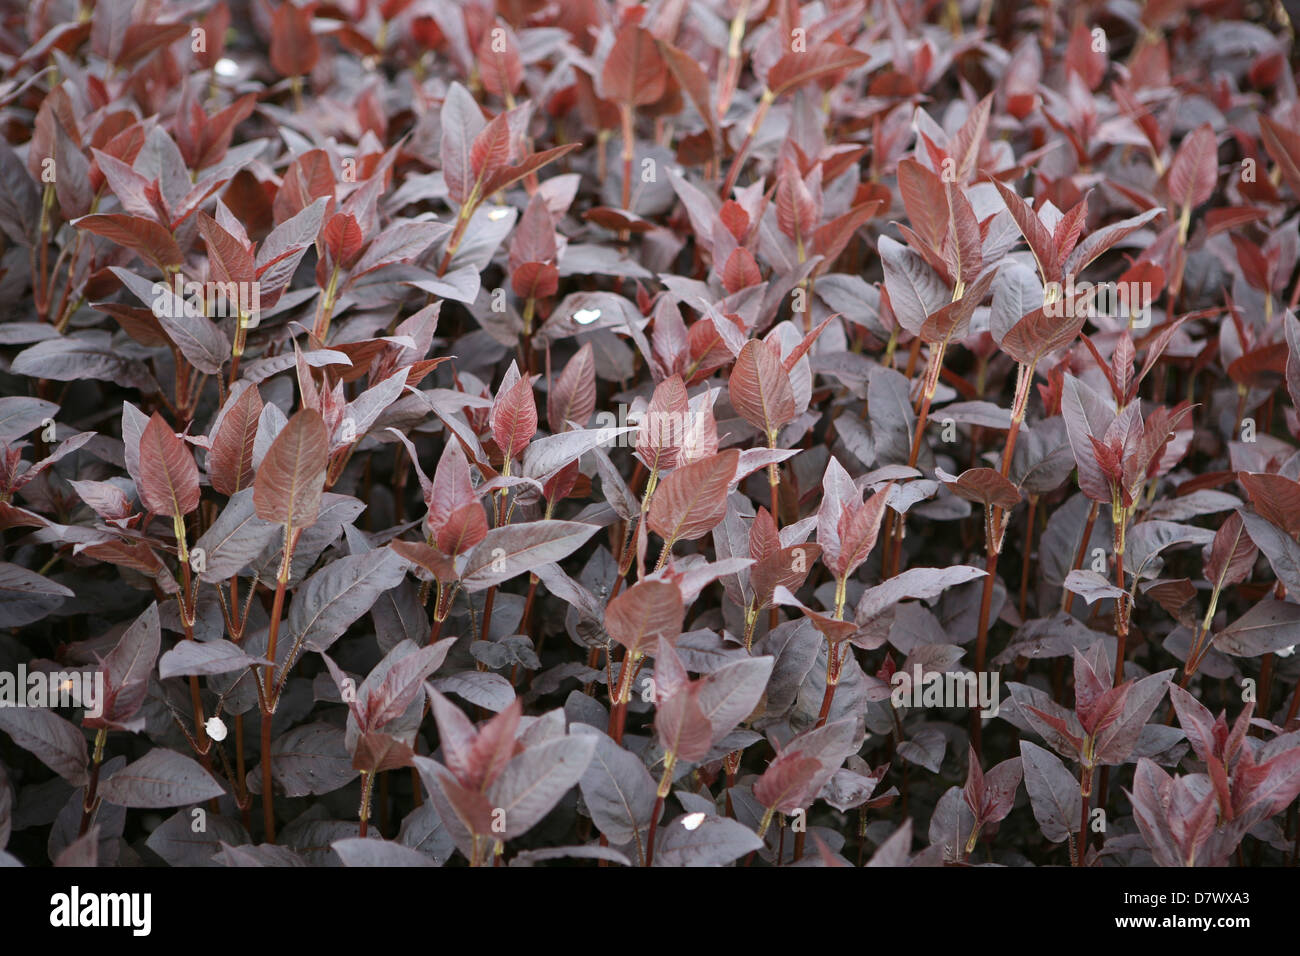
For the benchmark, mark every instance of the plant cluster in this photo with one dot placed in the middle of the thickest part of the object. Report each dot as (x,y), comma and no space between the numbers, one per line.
(856,432)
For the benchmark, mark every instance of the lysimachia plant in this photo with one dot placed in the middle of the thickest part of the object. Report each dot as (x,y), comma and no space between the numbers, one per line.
(649,434)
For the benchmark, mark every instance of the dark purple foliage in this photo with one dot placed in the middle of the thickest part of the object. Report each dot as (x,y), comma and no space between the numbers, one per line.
(649,435)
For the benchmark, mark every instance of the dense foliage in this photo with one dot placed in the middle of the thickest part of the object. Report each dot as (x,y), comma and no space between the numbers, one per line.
(691,433)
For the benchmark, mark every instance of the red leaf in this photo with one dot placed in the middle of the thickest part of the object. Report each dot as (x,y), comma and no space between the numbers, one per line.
(512,174)
(682,727)
(760,388)
(169,479)
(230,462)
(987,487)
(663,427)
(1195,168)
(1284,146)
(228,259)
(289,483)
(693,498)
(294,50)
(431,559)
(785,784)
(500,67)
(490,152)
(573,396)
(795,69)
(464,528)
(343,239)
(146,237)
(644,613)
(741,270)
(634,73)
(514,418)
(858,529)
(923,199)
(1031,227)
(1230,557)
(1276,498)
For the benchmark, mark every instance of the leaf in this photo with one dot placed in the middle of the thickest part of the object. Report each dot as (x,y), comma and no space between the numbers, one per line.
(690,76)
(291,477)
(681,727)
(281,251)
(169,478)
(644,614)
(857,530)
(1278,546)
(729,695)
(923,197)
(234,540)
(402,681)
(1053,792)
(1231,556)
(127,669)
(20,414)
(1017,291)
(760,390)
(1276,498)
(1086,416)
(915,289)
(546,456)
(452,487)
(1284,146)
(693,498)
(228,259)
(176,841)
(72,358)
(1104,238)
(713,841)
(145,237)
(400,242)
(1115,743)
(1039,334)
(1040,240)
(331,599)
(294,50)
(663,426)
(1091,586)
(983,486)
(161,778)
(230,461)
(617,789)
(573,396)
(56,742)
(634,73)
(205,658)
(461,121)
(510,175)
(361,851)
(514,418)
(787,784)
(514,549)
(1267,627)
(500,66)
(1195,168)
(533,782)
(309,760)
(795,69)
